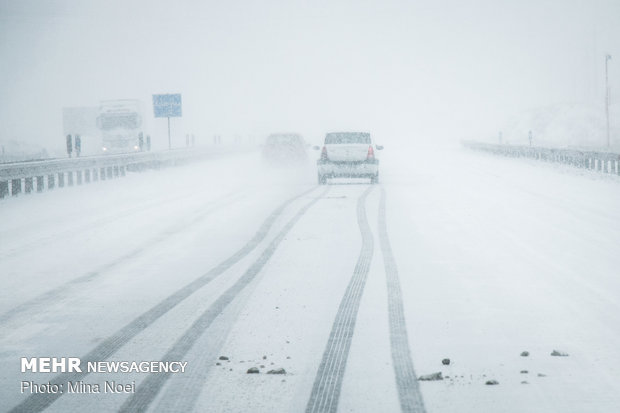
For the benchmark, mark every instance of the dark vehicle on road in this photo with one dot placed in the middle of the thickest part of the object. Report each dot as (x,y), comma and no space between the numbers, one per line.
(284,148)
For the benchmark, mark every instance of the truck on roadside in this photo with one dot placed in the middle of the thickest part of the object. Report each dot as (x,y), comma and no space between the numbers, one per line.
(121,123)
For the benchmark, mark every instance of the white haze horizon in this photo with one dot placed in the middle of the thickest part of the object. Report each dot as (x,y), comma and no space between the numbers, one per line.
(409,72)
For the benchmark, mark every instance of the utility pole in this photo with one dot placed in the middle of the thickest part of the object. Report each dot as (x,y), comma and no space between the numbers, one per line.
(607,59)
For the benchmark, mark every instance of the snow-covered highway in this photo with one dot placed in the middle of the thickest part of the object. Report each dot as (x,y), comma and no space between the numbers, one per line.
(353,289)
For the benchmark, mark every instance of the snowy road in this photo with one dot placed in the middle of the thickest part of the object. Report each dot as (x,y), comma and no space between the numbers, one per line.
(353,289)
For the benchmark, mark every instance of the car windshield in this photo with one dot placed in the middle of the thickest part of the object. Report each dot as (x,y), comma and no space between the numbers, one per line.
(347,137)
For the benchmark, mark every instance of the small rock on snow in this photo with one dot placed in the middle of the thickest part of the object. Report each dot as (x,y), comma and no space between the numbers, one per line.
(223,358)
(277,371)
(431,377)
(492,382)
(559,353)
(445,362)
(525,353)
(524,371)
(253,370)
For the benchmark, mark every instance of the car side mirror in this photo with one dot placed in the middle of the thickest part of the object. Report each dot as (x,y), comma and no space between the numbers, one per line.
(316,148)
(379,147)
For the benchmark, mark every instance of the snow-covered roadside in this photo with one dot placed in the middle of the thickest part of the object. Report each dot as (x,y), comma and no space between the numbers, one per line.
(498,257)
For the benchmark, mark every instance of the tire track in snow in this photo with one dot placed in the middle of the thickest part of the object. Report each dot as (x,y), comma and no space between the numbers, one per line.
(328,381)
(150,387)
(406,380)
(39,401)
(64,290)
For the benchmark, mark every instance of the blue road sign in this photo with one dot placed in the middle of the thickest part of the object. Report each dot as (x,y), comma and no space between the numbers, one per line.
(167,106)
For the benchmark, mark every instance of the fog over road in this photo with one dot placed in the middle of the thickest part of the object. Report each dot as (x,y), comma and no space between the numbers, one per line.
(353,289)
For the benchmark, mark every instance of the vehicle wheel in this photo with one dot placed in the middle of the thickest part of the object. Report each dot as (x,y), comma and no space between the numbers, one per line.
(374,179)
(322,179)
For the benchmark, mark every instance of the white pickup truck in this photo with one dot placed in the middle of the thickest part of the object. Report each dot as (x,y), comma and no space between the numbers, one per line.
(348,155)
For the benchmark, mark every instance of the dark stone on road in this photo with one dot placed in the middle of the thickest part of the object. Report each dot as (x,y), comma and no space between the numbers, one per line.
(492,383)
(445,362)
(253,370)
(431,377)
(277,371)
(525,353)
(559,353)
(223,358)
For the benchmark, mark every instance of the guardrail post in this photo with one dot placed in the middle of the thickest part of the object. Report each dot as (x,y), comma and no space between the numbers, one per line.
(16,186)
(40,184)
(50,181)
(70,178)
(28,185)
(78,176)
(4,189)
(61,179)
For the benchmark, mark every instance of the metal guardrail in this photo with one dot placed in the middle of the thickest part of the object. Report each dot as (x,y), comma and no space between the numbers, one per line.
(38,176)
(605,162)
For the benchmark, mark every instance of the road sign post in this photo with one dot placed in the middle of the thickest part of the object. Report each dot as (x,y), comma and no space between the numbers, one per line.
(69,145)
(168,106)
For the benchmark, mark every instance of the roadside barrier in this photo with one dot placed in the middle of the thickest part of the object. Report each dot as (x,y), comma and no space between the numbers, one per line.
(41,175)
(604,162)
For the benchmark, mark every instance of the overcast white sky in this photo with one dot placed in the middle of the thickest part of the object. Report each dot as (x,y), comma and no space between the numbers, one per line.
(428,70)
